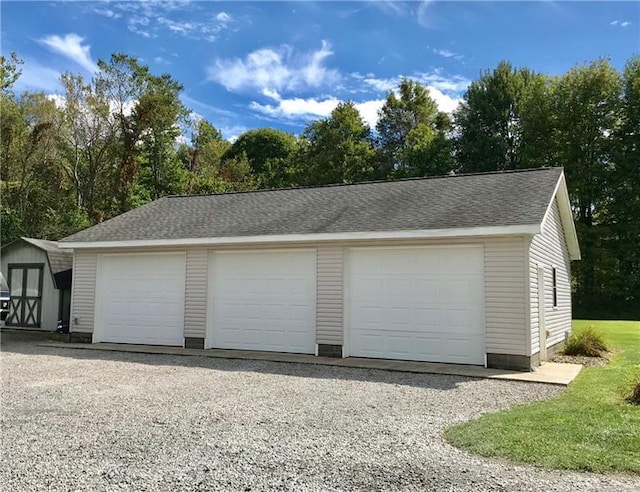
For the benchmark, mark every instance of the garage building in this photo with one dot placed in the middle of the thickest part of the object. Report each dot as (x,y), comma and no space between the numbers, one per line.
(466,269)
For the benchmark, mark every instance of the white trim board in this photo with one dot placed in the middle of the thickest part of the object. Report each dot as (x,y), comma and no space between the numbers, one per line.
(324,237)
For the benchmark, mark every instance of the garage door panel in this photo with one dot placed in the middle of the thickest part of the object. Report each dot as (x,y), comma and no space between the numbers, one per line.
(399,288)
(141,299)
(417,304)
(298,313)
(273,312)
(427,289)
(469,262)
(428,346)
(398,343)
(459,321)
(398,316)
(456,290)
(371,344)
(263,301)
(427,263)
(426,317)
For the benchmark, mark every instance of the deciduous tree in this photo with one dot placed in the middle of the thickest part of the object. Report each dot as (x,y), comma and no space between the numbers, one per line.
(337,149)
(413,137)
(505,121)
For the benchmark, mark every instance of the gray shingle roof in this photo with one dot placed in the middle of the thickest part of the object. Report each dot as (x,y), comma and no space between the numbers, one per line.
(460,201)
(59,259)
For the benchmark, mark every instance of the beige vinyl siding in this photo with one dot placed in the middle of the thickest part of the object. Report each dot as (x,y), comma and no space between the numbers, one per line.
(330,295)
(83,291)
(25,253)
(505,296)
(195,308)
(549,250)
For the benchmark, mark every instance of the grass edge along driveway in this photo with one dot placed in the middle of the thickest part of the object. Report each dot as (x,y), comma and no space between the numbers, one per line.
(589,427)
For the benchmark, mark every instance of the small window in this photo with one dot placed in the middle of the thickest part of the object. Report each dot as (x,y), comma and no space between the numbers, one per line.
(555,288)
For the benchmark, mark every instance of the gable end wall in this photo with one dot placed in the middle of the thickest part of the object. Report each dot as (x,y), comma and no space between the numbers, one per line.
(549,250)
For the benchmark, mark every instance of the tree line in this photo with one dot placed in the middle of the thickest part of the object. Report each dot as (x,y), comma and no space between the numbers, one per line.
(117,141)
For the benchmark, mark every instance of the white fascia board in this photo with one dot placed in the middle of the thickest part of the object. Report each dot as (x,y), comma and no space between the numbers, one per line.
(300,238)
(566,216)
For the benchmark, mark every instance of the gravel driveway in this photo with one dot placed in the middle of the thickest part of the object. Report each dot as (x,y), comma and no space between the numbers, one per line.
(92,420)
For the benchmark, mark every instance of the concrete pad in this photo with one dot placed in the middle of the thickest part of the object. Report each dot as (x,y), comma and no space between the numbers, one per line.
(550,373)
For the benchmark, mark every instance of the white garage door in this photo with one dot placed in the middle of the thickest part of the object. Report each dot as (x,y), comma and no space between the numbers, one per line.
(424,304)
(140,299)
(263,301)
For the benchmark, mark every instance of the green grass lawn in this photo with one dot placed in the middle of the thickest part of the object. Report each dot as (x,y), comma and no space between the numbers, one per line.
(590,426)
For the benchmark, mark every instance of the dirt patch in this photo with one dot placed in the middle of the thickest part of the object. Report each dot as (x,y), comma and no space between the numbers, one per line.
(581,359)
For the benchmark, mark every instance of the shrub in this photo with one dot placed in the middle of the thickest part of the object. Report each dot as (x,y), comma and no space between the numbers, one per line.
(633,391)
(586,342)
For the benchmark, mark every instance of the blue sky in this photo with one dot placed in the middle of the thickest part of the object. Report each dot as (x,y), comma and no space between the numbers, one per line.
(282,64)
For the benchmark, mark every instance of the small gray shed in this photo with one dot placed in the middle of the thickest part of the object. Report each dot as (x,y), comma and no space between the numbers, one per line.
(39,278)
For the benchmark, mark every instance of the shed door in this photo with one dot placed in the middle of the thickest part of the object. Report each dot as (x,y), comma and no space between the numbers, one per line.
(263,301)
(423,304)
(25,306)
(140,299)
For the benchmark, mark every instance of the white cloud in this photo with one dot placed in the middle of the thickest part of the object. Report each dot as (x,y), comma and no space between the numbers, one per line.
(369,111)
(114,106)
(178,27)
(70,46)
(152,7)
(452,83)
(107,13)
(308,109)
(195,118)
(393,7)
(127,107)
(620,23)
(149,18)
(231,133)
(615,23)
(189,101)
(36,77)
(275,69)
(423,14)
(223,17)
(382,85)
(297,108)
(447,54)
(446,91)
(140,25)
(58,100)
(625,23)
(445,102)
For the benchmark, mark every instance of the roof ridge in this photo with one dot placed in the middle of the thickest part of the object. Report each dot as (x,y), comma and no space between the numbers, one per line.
(37,241)
(379,181)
